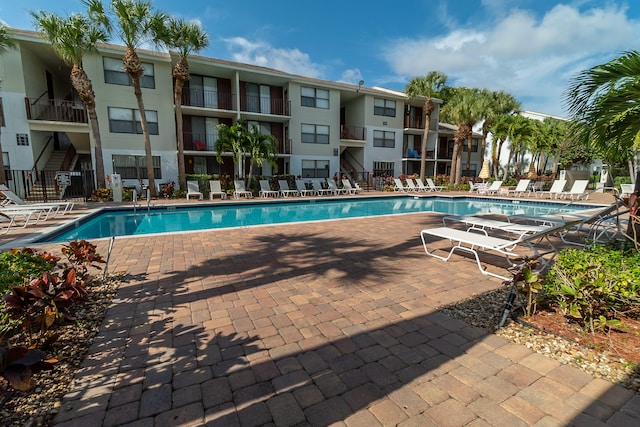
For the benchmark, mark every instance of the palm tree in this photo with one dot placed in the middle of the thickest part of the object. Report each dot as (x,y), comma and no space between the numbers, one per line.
(185,37)
(261,147)
(428,86)
(520,132)
(605,99)
(496,104)
(232,139)
(6,42)
(137,23)
(72,37)
(464,109)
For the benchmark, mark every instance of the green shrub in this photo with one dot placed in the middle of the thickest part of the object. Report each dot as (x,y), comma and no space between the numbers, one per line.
(595,284)
(18,267)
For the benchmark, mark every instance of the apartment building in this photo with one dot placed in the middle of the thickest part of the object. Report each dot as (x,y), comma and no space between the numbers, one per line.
(322,127)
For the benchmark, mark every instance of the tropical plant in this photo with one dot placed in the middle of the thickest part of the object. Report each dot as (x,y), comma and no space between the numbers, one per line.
(72,37)
(604,102)
(238,140)
(137,23)
(261,147)
(185,37)
(19,363)
(428,86)
(232,139)
(6,42)
(496,105)
(595,285)
(464,108)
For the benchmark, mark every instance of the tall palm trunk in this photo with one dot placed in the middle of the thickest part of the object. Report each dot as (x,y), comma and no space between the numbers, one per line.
(177,96)
(133,67)
(469,140)
(84,87)
(428,110)
(181,74)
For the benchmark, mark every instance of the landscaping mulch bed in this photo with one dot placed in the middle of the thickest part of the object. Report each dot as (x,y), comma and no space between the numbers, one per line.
(613,355)
(38,406)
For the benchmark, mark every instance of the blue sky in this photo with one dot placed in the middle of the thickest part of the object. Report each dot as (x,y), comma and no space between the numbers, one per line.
(529,48)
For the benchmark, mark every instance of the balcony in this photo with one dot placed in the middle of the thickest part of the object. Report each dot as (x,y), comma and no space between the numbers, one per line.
(413,123)
(410,153)
(206,142)
(265,105)
(218,100)
(356,133)
(55,110)
(194,141)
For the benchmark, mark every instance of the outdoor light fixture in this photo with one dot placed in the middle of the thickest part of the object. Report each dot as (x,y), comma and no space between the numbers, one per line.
(360,83)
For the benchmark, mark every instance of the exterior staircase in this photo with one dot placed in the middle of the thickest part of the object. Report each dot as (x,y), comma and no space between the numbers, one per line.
(53,165)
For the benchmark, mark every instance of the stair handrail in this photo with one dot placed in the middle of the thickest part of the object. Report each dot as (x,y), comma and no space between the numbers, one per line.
(46,92)
(34,168)
(68,158)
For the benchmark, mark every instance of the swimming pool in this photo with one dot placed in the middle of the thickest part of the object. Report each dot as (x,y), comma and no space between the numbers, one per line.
(166,219)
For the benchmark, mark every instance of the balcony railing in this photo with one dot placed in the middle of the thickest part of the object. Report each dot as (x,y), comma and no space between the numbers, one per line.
(56,110)
(352,132)
(265,105)
(207,99)
(194,141)
(410,153)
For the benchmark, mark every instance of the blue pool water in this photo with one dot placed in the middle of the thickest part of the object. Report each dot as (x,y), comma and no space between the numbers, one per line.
(126,222)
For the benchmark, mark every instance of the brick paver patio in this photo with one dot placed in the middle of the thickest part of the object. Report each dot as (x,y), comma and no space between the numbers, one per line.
(327,323)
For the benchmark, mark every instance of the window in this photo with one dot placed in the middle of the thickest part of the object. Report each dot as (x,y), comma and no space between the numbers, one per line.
(384,107)
(1,114)
(315,168)
(474,146)
(22,139)
(315,134)
(382,138)
(127,120)
(310,97)
(114,73)
(135,167)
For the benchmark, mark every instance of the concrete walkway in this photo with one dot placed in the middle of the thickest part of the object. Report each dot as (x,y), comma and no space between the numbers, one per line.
(327,323)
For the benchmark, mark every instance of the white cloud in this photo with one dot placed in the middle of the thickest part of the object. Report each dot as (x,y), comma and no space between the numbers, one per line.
(352,76)
(263,54)
(531,57)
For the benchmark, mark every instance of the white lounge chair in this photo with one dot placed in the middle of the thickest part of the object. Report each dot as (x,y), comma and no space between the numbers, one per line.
(478,188)
(411,186)
(285,191)
(578,190)
(399,186)
(28,215)
(492,189)
(6,222)
(266,191)
(61,207)
(521,188)
(433,187)
(470,241)
(215,189)
(240,190)
(481,224)
(346,185)
(318,189)
(420,185)
(193,190)
(556,188)
(333,187)
(302,188)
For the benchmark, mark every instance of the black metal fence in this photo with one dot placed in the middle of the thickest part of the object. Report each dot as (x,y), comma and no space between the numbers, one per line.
(47,186)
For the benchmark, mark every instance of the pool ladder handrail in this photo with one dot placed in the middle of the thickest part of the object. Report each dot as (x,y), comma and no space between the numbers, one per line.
(134,196)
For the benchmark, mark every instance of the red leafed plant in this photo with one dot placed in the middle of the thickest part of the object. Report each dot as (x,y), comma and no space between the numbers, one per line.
(19,363)
(39,303)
